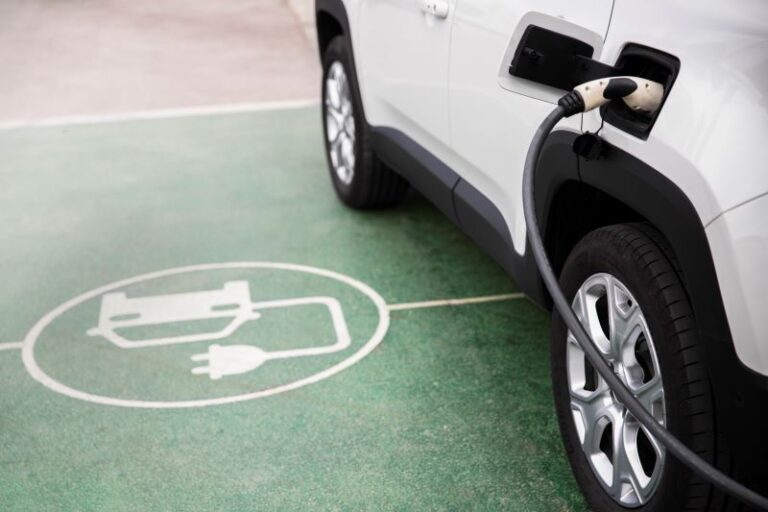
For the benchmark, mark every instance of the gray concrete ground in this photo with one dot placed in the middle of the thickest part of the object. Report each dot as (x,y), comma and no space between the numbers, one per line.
(305,12)
(94,57)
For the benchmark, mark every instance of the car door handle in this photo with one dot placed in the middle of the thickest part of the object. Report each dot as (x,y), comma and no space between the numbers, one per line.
(437,8)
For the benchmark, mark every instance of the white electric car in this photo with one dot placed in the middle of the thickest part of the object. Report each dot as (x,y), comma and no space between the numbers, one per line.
(659,234)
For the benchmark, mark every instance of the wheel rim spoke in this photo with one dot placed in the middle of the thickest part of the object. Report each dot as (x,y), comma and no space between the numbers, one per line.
(651,395)
(630,484)
(592,408)
(624,317)
(334,151)
(333,129)
(590,294)
(620,462)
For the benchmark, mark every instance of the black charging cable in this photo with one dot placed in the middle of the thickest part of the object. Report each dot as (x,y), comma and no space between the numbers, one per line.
(571,104)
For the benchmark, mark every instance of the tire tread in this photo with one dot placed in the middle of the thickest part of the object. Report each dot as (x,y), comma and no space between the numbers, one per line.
(374,185)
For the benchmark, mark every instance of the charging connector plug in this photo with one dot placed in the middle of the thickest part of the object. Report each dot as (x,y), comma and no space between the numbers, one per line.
(639,94)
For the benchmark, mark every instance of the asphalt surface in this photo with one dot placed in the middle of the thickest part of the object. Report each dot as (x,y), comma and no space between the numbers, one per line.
(449,409)
(190,320)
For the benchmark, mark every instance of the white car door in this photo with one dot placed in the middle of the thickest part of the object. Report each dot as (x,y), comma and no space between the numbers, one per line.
(494,115)
(402,57)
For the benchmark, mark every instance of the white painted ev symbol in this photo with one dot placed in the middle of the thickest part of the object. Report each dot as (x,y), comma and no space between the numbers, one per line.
(149,330)
(233,302)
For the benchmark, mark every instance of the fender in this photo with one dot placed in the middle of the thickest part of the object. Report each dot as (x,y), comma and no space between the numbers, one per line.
(334,9)
(656,199)
(739,392)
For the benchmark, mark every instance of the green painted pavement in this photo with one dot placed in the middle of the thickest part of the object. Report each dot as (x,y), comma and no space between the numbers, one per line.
(452,411)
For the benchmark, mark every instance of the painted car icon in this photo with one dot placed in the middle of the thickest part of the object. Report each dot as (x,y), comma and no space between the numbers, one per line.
(120,312)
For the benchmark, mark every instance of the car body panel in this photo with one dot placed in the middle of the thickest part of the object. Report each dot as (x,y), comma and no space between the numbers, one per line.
(493,121)
(740,249)
(402,58)
(442,85)
(700,166)
(708,138)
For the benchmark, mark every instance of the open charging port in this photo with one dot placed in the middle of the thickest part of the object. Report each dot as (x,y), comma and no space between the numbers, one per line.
(557,60)
(644,62)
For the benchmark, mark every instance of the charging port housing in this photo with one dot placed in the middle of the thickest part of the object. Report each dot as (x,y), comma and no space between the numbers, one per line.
(557,60)
(645,62)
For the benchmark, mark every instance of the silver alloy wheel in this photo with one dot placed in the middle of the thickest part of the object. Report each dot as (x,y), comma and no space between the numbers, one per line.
(624,457)
(340,123)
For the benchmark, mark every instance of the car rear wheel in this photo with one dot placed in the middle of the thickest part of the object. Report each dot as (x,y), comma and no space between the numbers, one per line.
(359,178)
(626,291)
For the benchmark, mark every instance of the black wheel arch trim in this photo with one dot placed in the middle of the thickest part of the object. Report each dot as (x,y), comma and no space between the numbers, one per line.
(657,199)
(466,206)
(336,10)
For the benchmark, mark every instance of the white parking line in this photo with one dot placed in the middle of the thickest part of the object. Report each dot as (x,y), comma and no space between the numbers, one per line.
(160,114)
(17,345)
(455,302)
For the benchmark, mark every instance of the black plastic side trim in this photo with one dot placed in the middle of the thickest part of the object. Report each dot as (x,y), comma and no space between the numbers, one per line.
(479,218)
(559,166)
(336,10)
(422,169)
(467,207)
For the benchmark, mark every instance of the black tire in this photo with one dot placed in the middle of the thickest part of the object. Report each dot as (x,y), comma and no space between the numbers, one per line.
(373,184)
(637,255)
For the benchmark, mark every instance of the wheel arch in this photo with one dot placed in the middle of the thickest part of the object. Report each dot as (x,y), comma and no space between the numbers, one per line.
(330,20)
(577,196)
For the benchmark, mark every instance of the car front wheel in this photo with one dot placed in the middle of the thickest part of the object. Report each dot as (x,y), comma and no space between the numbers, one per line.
(360,178)
(625,289)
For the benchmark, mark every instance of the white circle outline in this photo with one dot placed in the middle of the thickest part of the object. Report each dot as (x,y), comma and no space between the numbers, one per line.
(28,349)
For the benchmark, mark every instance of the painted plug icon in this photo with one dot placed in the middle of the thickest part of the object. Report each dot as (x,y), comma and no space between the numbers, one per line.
(229,360)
